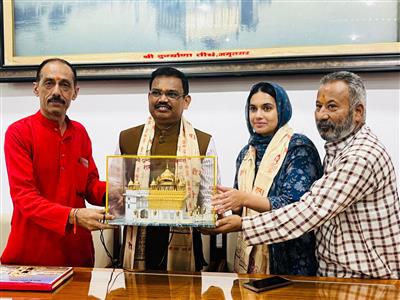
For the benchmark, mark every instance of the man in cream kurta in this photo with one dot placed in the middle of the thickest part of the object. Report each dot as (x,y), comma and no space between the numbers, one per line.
(167,132)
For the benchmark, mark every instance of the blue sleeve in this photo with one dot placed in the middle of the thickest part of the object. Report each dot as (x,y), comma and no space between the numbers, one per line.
(239,160)
(302,166)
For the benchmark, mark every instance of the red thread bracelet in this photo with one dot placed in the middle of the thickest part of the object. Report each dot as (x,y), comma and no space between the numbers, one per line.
(75,219)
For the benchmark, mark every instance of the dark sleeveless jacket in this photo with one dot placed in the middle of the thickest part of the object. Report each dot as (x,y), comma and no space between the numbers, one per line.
(164,143)
(129,140)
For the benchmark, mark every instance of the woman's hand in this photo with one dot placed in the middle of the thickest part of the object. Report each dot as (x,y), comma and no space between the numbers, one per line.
(228,199)
(231,199)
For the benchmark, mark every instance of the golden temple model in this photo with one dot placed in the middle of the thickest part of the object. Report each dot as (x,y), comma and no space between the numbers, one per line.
(164,201)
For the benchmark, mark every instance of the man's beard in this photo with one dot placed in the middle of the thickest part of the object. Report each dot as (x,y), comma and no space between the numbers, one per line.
(331,131)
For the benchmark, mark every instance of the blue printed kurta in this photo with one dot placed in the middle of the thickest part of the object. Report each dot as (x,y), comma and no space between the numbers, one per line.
(301,167)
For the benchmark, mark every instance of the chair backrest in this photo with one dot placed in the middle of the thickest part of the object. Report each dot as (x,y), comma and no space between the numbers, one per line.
(5,226)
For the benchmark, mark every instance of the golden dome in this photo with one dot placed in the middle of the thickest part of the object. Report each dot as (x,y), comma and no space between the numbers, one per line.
(130,184)
(167,177)
(153,184)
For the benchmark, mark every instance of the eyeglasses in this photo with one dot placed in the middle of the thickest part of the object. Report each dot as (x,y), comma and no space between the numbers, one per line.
(171,95)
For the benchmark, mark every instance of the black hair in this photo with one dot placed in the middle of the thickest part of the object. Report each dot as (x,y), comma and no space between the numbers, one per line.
(49,60)
(264,87)
(171,72)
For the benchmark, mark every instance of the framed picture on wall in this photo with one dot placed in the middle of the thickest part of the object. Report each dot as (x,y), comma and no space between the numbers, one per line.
(130,38)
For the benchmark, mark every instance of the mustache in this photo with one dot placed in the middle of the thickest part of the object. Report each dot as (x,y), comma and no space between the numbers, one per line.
(56,99)
(163,104)
(324,124)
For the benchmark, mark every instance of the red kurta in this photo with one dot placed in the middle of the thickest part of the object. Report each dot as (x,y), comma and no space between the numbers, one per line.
(49,174)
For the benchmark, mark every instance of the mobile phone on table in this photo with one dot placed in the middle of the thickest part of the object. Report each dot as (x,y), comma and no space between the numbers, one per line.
(266,283)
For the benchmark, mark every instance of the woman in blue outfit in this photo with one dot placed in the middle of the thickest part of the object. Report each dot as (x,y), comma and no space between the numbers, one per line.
(274,169)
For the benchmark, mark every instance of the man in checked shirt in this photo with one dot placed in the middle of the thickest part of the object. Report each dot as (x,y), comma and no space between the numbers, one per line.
(354,208)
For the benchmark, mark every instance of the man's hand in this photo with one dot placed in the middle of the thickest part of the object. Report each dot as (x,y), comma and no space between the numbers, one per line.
(228,199)
(116,199)
(91,219)
(225,225)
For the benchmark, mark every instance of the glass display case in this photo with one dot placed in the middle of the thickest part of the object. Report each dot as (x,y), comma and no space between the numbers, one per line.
(161,190)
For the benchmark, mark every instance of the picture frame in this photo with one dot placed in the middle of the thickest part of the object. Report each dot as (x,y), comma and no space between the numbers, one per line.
(161,190)
(25,20)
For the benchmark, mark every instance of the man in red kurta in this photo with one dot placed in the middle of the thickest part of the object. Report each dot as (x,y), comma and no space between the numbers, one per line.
(51,172)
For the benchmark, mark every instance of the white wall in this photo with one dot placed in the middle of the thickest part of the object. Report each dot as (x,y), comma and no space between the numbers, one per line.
(107,107)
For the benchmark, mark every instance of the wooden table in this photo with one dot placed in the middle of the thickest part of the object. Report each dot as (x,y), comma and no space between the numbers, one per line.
(119,284)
